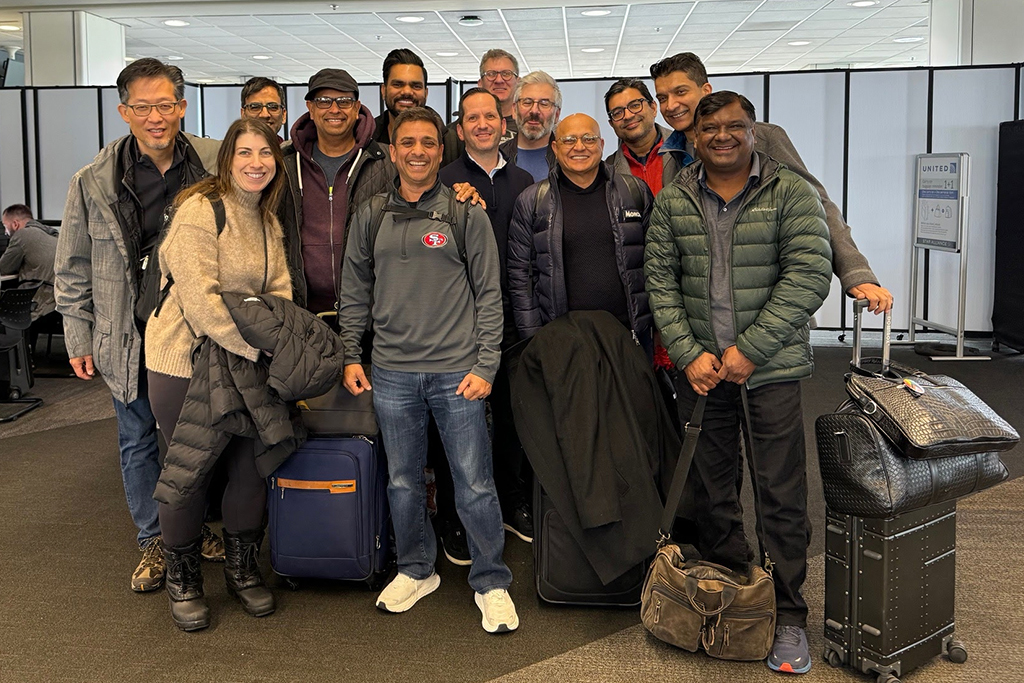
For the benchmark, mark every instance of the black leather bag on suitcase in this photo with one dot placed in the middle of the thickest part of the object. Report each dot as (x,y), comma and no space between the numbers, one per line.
(864,473)
(890,587)
(563,574)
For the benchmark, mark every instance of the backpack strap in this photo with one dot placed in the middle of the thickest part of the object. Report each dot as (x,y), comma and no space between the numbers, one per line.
(377,208)
(633,185)
(220,220)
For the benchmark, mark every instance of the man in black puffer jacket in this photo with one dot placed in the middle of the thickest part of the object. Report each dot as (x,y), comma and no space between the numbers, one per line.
(230,395)
(576,241)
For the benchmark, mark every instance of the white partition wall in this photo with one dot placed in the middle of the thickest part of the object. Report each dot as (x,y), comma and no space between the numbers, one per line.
(114,126)
(968,106)
(193,111)
(751,87)
(12,167)
(811,108)
(588,97)
(881,176)
(221,107)
(64,149)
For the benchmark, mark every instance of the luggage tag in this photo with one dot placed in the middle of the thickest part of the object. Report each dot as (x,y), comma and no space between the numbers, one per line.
(913,387)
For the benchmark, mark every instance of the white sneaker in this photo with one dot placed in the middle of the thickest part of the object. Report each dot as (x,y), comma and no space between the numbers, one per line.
(498,610)
(404,592)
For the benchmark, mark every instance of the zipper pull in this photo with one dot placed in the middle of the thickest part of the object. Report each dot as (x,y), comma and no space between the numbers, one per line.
(636,340)
(657,610)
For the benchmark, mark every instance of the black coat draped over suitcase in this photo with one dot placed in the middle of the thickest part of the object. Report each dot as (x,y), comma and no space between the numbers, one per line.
(590,415)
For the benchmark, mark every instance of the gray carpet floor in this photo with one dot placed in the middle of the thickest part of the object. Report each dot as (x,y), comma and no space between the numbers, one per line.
(66,555)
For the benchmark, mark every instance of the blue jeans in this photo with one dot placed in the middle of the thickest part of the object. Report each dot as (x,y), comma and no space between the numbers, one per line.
(140,463)
(402,401)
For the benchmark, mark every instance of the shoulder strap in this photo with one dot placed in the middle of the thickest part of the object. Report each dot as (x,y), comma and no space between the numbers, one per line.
(218,214)
(542,192)
(377,209)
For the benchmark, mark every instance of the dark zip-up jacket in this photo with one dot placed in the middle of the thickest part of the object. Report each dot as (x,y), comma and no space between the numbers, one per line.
(230,395)
(536,273)
(781,270)
(308,202)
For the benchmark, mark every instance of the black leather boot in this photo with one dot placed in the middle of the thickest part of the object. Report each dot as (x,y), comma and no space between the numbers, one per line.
(184,582)
(242,572)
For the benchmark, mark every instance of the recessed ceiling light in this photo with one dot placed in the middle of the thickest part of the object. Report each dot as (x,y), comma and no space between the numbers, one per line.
(261,57)
(204,80)
(591,73)
(596,12)
(409,19)
(129,59)
(593,49)
(175,23)
(447,54)
(174,58)
(9,27)
(471,20)
(863,3)
(908,39)
(799,43)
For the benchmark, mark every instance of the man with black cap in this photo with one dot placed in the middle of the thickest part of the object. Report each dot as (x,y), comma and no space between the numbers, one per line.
(332,163)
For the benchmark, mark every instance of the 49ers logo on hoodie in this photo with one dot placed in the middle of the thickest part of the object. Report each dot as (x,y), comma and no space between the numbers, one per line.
(435,239)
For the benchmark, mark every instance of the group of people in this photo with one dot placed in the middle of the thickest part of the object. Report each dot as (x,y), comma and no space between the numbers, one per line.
(707,239)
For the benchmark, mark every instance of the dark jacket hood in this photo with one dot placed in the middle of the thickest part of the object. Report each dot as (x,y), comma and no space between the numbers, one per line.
(303,135)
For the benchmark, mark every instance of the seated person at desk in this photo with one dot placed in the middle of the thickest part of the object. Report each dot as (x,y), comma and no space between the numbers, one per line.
(30,254)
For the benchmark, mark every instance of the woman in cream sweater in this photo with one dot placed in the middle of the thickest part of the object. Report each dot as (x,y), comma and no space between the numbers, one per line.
(246,257)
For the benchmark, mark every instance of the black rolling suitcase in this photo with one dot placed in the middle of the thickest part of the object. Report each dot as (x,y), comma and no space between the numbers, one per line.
(561,569)
(890,584)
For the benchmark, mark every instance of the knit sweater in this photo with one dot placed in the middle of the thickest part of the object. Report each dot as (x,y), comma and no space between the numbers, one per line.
(248,257)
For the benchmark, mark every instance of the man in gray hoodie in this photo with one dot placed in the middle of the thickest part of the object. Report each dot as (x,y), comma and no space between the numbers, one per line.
(30,254)
(425,269)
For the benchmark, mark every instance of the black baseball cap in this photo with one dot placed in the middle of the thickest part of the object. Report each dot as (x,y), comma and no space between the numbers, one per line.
(335,79)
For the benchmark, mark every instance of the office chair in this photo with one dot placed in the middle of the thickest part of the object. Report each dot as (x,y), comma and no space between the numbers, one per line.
(15,319)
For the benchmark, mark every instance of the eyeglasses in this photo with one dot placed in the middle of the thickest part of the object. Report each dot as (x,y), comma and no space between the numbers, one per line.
(143,110)
(528,102)
(571,140)
(634,106)
(506,74)
(257,107)
(326,102)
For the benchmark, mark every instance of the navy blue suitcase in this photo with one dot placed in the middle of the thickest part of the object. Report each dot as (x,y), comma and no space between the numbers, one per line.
(329,513)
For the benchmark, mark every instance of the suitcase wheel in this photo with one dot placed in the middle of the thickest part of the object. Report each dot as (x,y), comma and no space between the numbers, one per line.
(956,652)
(887,678)
(834,659)
(292,583)
(377,580)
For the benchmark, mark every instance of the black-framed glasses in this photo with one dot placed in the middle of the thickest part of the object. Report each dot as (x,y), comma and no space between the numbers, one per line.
(528,102)
(257,107)
(506,74)
(634,106)
(326,102)
(570,141)
(143,110)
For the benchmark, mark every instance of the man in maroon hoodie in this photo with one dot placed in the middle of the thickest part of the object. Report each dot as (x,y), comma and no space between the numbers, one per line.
(332,164)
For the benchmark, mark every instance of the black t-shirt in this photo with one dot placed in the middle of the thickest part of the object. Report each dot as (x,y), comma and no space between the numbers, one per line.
(330,165)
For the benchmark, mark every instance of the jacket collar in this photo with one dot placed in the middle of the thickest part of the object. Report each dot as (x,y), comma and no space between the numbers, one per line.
(397,198)
(689,177)
(676,144)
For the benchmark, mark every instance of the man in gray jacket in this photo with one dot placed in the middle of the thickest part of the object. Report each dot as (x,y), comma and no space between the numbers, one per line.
(680,81)
(112,223)
(426,270)
(30,254)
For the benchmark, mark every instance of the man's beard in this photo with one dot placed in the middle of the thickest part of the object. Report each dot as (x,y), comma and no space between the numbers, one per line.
(527,133)
(393,109)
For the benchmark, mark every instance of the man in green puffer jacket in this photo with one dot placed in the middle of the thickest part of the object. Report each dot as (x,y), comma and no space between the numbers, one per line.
(737,260)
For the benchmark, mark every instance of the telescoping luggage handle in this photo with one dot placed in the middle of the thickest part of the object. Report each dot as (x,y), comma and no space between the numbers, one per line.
(859,308)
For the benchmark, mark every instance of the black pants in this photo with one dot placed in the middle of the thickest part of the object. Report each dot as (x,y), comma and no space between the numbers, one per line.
(245,496)
(780,467)
(510,466)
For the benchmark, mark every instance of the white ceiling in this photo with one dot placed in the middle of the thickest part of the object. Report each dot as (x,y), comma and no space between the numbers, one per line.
(729,35)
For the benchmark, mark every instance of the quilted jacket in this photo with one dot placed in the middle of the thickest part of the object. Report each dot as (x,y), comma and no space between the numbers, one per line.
(781,270)
(229,395)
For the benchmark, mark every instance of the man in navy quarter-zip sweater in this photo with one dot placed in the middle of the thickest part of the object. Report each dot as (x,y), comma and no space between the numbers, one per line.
(481,127)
